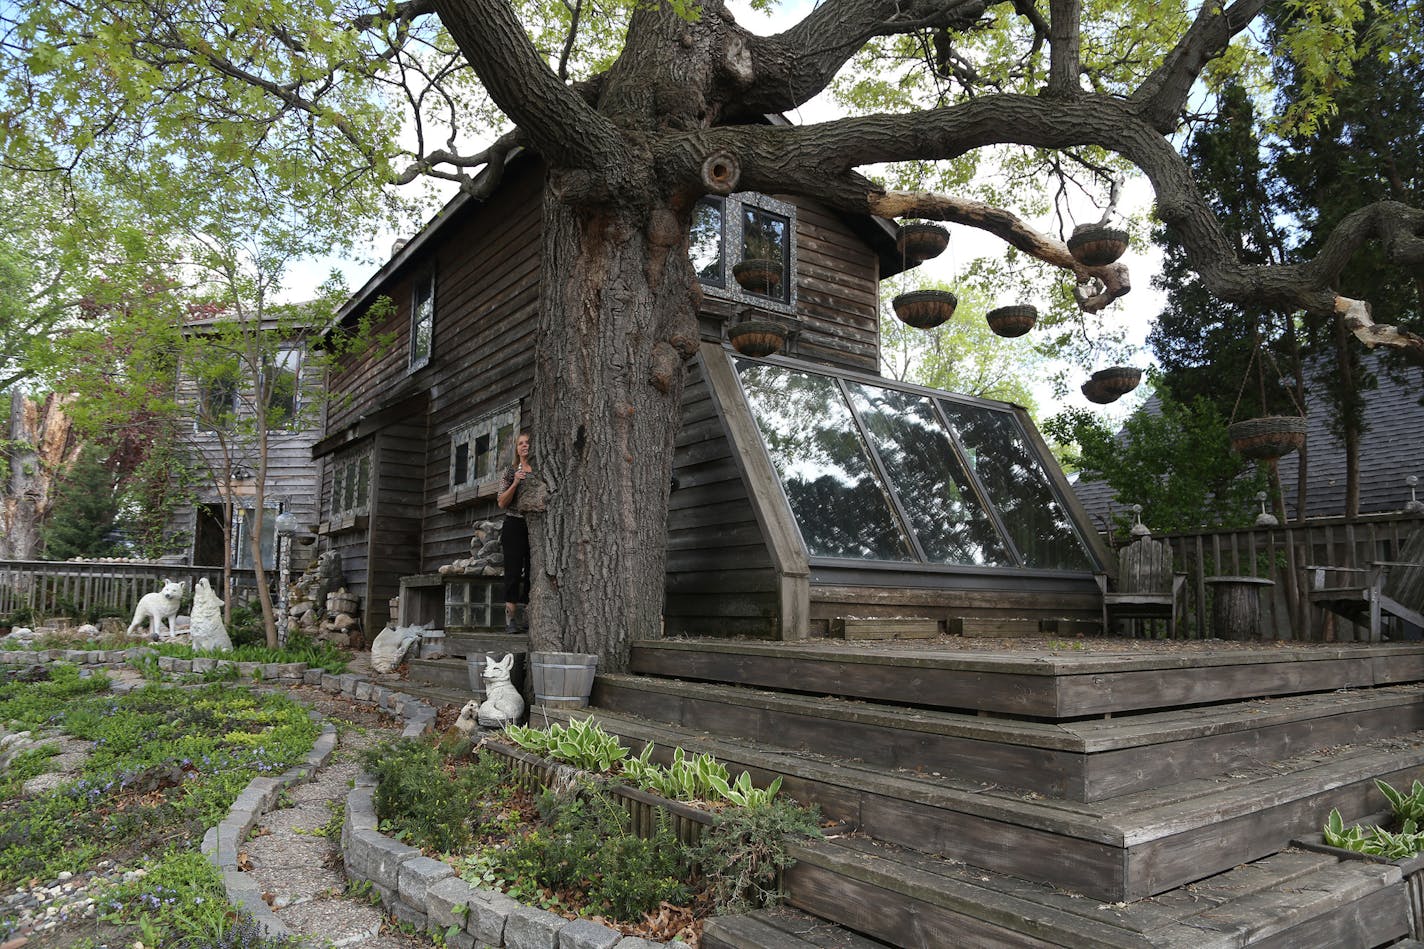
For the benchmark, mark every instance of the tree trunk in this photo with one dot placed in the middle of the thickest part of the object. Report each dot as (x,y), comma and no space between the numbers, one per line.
(616,325)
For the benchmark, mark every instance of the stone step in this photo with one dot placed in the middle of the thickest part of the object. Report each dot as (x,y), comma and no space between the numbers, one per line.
(1287,900)
(1127,848)
(1084,760)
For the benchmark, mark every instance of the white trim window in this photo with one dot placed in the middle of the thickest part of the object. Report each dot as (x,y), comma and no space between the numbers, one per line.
(282,372)
(351,485)
(422,320)
(744,226)
(479,450)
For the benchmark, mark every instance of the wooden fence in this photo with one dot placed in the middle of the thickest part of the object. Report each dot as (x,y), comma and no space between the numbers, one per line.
(1281,554)
(80,590)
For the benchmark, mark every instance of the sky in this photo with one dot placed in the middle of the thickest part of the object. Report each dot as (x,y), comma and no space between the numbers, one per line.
(1134,313)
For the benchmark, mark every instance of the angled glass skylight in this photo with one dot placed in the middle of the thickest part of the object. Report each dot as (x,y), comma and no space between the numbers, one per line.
(879,472)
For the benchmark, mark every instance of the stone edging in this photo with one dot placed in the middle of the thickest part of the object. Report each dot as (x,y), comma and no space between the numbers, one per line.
(414,888)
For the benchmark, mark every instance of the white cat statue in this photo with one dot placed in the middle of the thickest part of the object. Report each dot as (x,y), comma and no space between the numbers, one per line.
(503,705)
(207,627)
(157,607)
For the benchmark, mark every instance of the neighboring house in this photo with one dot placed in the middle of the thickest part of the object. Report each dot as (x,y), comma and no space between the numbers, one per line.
(810,488)
(220,411)
(1390,451)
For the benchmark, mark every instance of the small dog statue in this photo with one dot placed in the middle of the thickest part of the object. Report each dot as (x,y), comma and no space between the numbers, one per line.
(503,704)
(468,720)
(157,607)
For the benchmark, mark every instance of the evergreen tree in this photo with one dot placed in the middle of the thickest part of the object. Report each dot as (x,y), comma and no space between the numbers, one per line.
(84,510)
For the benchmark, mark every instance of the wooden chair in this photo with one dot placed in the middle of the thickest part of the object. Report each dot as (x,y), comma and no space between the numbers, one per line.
(1367,595)
(1145,587)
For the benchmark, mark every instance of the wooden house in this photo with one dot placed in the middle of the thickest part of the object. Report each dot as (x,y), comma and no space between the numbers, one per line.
(221,399)
(809,488)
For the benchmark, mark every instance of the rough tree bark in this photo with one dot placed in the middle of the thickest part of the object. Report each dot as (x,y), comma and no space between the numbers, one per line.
(40,446)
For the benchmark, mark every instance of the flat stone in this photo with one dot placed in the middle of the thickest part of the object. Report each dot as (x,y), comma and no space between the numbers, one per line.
(330,683)
(375,857)
(313,676)
(442,898)
(182,665)
(416,876)
(488,912)
(204,664)
(408,915)
(638,942)
(348,683)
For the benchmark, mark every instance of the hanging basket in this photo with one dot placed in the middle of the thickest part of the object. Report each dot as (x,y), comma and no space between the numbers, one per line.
(1096,245)
(925,309)
(919,241)
(1119,380)
(757,275)
(1094,391)
(757,337)
(1269,437)
(1012,321)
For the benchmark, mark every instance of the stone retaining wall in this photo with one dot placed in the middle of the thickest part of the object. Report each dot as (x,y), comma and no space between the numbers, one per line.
(415,889)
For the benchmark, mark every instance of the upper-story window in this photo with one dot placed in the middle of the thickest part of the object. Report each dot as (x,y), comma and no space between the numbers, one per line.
(281,375)
(422,320)
(217,403)
(727,232)
(479,449)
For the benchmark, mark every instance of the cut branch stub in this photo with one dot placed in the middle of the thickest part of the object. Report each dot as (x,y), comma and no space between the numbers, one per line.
(721,172)
(1012,321)
(1094,245)
(925,309)
(919,241)
(1118,380)
(1268,437)
(757,337)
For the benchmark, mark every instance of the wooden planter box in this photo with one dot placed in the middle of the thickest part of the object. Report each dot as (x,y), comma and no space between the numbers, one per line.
(1411,867)
(685,821)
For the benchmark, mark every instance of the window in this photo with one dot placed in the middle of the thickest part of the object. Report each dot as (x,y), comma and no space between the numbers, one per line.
(217,404)
(280,378)
(243,538)
(741,227)
(422,320)
(470,605)
(480,450)
(351,485)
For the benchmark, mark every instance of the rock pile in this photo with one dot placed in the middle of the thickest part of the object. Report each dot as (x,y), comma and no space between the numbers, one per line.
(321,607)
(486,555)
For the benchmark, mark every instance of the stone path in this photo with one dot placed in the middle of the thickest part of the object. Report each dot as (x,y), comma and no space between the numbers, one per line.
(293,858)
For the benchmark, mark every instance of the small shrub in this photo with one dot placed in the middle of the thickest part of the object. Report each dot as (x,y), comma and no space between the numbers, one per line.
(742,857)
(425,799)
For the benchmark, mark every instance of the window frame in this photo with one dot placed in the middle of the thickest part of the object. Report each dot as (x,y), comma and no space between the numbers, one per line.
(346,478)
(466,434)
(465,604)
(422,291)
(297,358)
(733,235)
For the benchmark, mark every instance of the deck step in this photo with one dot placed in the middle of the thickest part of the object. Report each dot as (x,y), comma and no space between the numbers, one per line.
(1047,684)
(1130,847)
(780,929)
(1290,899)
(441,673)
(1084,760)
(460,645)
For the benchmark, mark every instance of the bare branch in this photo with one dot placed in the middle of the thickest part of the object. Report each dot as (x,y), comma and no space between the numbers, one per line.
(1161,97)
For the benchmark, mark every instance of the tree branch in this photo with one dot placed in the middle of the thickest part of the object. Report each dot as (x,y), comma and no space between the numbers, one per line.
(1063,38)
(1163,94)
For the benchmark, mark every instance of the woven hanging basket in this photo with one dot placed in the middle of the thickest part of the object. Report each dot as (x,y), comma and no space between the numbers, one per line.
(757,337)
(925,309)
(1268,437)
(1096,245)
(1119,380)
(756,275)
(919,241)
(1012,321)
(1094,391)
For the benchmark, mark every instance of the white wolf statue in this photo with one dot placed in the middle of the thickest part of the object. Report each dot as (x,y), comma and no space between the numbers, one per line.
(157,607)
(503,705)
(207,627)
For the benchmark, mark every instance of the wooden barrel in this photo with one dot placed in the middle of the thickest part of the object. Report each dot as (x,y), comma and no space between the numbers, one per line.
(562,679)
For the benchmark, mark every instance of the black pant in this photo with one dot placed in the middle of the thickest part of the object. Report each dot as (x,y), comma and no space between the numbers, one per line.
(514,538)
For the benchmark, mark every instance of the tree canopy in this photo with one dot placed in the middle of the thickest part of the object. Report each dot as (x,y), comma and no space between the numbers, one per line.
(638,109)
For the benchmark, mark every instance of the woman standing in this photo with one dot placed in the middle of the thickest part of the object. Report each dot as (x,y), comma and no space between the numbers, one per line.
(514,534)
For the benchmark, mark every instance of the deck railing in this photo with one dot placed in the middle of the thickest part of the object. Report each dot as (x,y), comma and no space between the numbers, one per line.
(1280,554)
(80,589)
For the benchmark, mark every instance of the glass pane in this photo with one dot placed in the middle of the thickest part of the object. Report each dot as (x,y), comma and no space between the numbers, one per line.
(363,483)
(837,500)
(764,238)
(935,492)
(422,320)
(504,445)
(705,242)
(348,499)
(1013,475)
(484,457)
(462,464)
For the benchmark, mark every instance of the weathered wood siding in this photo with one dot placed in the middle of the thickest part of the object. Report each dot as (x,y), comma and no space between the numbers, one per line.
(720,577)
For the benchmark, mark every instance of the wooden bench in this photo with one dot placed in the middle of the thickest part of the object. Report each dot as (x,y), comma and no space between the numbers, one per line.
(1367,595)
(1146,587)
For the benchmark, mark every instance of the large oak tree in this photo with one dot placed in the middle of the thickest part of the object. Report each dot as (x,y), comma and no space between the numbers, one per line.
(638,110)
